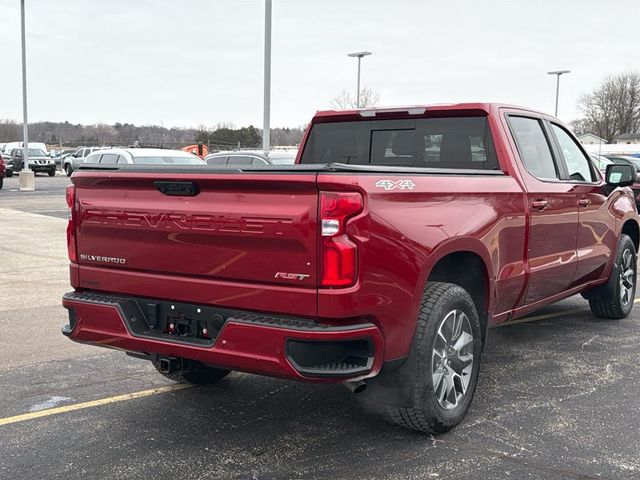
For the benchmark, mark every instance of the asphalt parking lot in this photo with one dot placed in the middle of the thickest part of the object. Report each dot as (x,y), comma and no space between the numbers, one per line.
(558,396)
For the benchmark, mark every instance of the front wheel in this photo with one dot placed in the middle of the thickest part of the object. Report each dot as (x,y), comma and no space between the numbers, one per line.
(614,300)
(448,345)
(52,172)
(68,170)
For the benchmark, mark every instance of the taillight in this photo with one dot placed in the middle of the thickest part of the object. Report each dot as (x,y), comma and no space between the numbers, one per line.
(71,226)
(338,252)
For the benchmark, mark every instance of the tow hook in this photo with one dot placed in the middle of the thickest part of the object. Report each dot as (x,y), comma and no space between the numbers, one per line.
(169,365)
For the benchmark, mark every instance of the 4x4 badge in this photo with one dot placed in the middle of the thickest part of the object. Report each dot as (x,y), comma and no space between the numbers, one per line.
(395,184)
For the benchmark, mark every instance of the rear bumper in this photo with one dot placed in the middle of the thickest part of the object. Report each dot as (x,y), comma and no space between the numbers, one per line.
(270,345)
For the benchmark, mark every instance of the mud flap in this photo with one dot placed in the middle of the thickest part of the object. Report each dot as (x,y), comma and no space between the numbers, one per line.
(394,386)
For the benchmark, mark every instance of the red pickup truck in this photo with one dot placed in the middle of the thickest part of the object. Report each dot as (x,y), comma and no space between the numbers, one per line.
(379,260)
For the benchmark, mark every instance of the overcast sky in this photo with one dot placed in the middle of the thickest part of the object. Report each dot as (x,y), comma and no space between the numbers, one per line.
(191,62)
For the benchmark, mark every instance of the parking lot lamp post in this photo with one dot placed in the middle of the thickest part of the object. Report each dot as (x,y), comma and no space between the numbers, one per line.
(266,129)
(557,73)
(359,56)
(26,179)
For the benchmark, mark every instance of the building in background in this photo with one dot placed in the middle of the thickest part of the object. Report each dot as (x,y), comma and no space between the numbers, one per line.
(627,138)
(591,139)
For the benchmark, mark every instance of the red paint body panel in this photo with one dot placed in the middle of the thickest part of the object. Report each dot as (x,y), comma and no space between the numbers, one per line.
(225,246)
(242,347)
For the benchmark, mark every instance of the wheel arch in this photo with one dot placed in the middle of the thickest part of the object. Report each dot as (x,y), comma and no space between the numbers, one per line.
(630,227)
(467,264)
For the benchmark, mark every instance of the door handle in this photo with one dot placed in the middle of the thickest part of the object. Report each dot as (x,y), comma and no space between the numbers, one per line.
(584,202)
(540,204)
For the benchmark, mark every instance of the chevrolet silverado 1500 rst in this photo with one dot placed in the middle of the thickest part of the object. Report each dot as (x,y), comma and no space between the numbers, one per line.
(379,260)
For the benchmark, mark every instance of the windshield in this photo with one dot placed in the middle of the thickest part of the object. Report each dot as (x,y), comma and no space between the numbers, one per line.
(35,152)
(168,159)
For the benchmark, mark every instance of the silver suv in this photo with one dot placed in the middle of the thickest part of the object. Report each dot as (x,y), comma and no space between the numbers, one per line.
(71,162)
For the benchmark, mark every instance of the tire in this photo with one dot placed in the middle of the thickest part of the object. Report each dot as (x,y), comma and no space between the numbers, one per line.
(52,172)
(68,170)
(196,373)
(1,183)
(9,174)
(614,300)
(430,413)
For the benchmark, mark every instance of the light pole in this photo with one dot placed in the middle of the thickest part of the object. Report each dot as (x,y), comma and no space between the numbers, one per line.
(557,73)
(266,129)
(26,180)
(359,56)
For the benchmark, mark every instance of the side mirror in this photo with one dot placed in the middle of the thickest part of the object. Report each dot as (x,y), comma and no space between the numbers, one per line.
(620,175)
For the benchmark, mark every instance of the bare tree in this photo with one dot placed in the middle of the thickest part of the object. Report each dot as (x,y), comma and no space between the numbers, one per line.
(580,126)
(614,107)
(346,101)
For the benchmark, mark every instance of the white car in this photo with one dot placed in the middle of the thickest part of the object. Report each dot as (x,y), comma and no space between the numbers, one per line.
(142,156)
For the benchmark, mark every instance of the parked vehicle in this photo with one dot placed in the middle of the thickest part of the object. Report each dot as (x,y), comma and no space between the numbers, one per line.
(8,166)
(70,163)
(142,156)
(250,157)
(601,162)
(378,261)
(7,149)
(38,161)
(59,158)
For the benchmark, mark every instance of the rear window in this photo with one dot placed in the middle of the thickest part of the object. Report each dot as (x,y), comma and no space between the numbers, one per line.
(461,143)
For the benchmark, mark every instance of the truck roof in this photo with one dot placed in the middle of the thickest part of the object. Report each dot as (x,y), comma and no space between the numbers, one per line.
(412,111)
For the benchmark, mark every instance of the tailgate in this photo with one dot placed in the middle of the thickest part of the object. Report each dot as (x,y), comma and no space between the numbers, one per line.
(258,227)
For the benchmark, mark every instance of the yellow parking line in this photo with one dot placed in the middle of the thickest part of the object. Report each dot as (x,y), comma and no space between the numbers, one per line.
(92,403)
(548,315)
(154,391)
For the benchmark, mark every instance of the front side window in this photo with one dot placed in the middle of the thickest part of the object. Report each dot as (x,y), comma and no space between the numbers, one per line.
(92,159)
(533,147)
(577,163)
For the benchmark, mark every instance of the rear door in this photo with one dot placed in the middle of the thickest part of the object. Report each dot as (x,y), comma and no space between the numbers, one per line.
(553,211)
(596,242)
(257,228)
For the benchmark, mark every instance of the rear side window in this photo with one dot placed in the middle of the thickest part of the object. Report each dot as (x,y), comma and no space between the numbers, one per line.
(458,143)
(92,159)
(217,161)
(109,158)
(533,147)
(240,160)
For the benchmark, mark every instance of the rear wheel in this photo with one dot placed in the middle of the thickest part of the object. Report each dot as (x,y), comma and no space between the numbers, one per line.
(67,170)
(448,346)
(194,372)
(614,300)
(9,174)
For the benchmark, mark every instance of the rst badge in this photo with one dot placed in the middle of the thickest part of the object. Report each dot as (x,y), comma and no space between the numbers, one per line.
(395,184)
(291,276)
